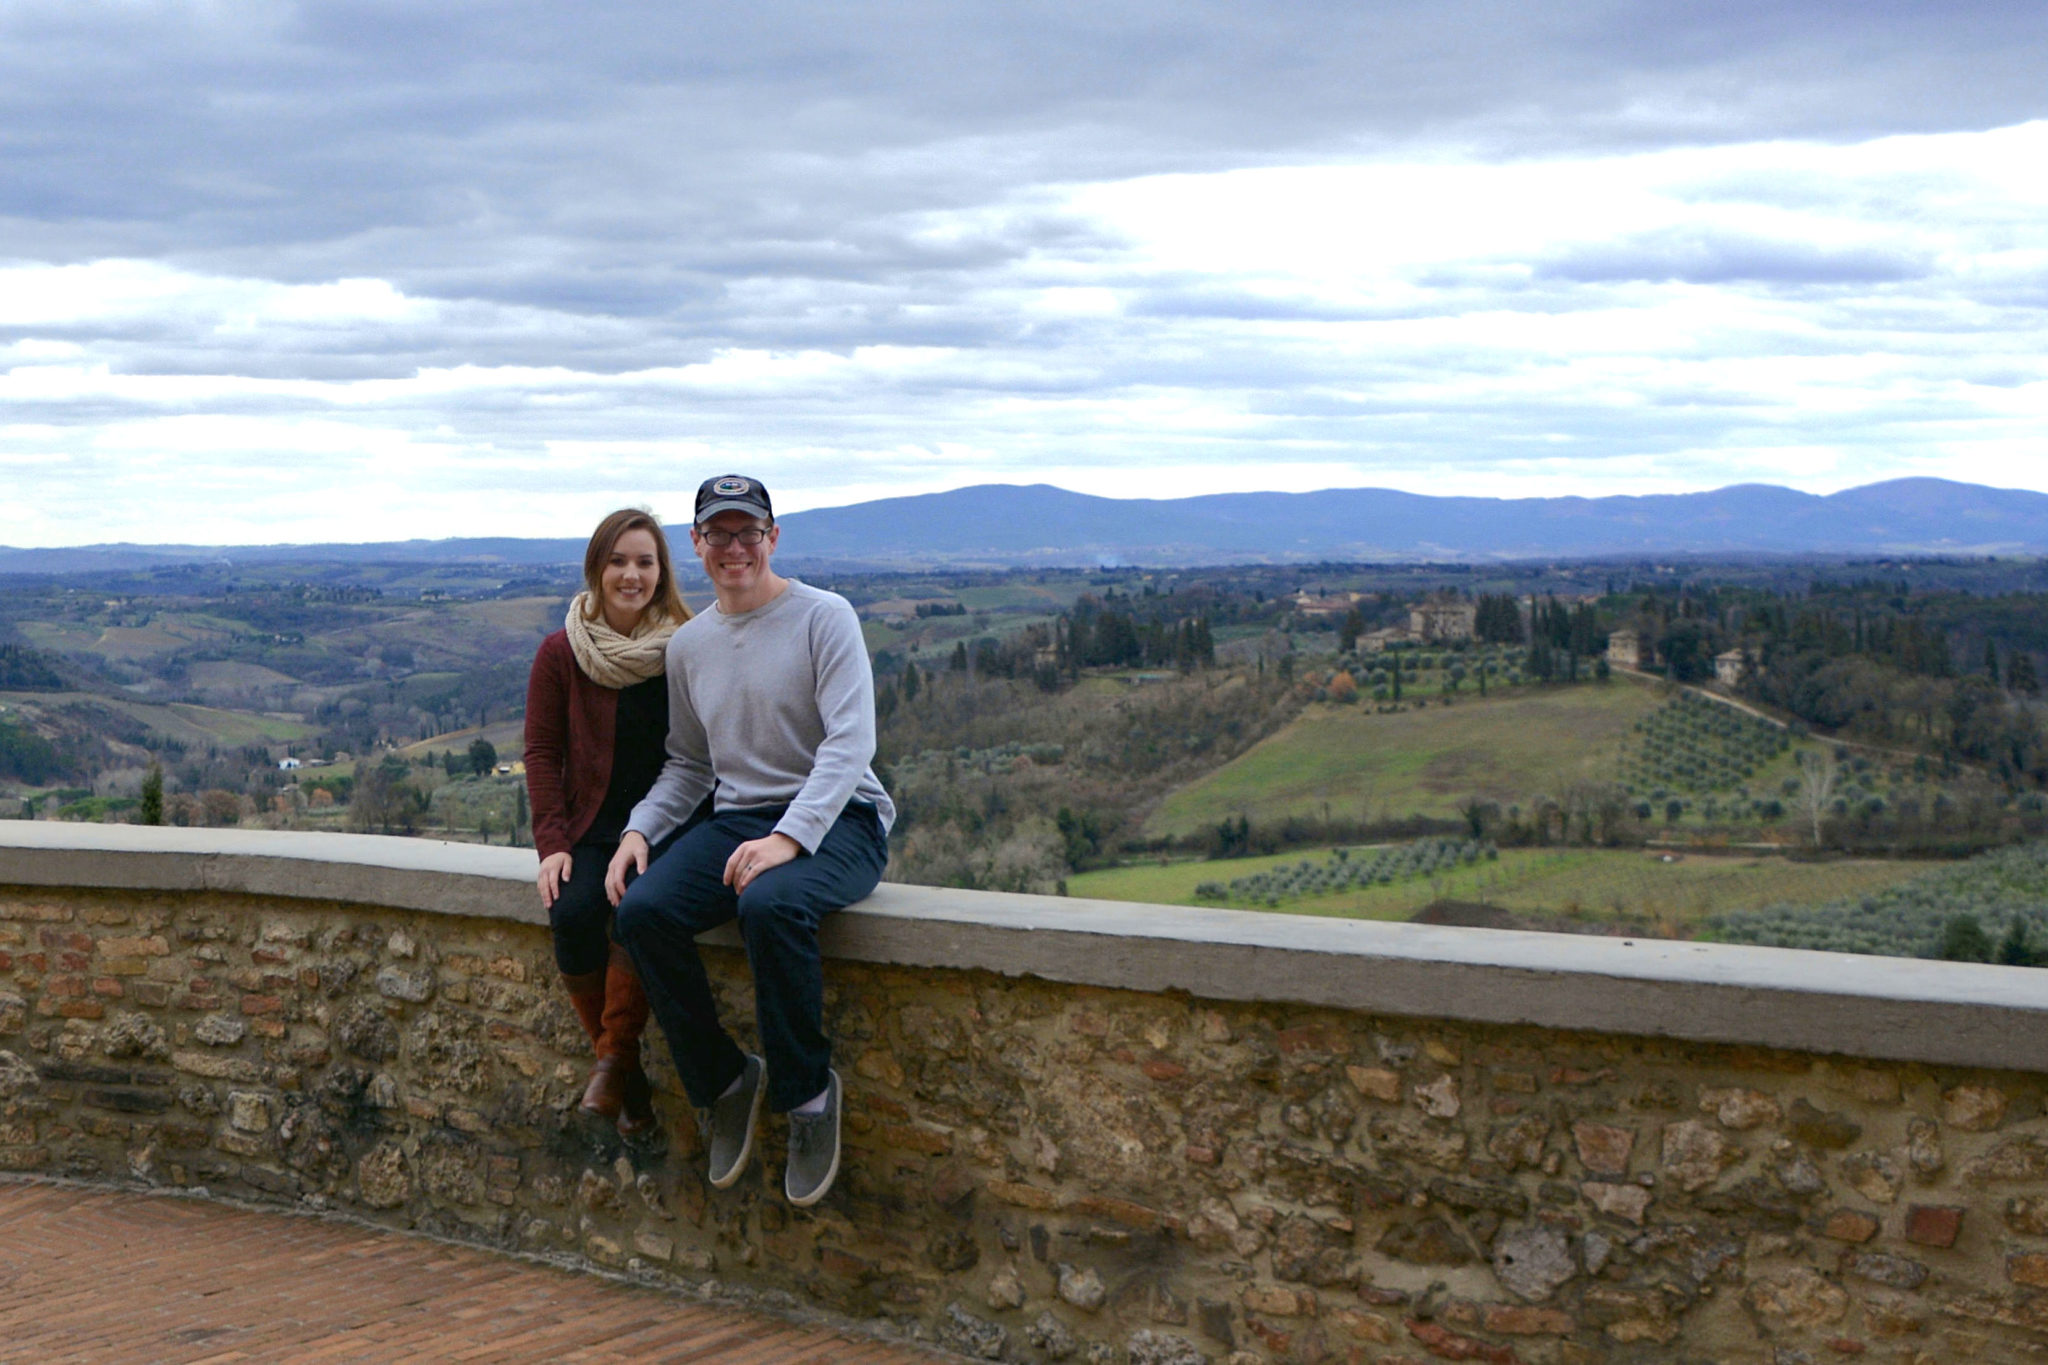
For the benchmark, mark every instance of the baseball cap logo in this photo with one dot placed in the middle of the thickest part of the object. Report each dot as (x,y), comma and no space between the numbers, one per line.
(733,493)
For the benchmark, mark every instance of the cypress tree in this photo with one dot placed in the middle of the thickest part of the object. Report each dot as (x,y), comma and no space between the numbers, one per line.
(2013,949)
(153,795)
(2020,675)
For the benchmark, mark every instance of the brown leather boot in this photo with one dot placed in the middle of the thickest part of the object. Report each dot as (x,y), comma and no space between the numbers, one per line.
(586,997)
(618,1088)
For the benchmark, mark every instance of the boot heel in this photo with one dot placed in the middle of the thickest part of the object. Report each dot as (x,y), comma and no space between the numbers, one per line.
(636,1112)
(605,1096)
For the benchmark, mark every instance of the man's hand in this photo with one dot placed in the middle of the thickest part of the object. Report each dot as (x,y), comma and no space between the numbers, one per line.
(554,871)
(632,853)
(754,857)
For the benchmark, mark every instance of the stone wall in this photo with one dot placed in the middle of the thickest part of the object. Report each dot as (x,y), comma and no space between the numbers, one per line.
(1040,1170)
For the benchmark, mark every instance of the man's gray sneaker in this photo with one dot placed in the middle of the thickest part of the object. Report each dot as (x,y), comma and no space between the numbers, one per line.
(728,1125)
(813,1150)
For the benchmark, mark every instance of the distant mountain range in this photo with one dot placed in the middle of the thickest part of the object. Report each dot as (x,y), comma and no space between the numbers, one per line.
(1003,524)
(1011,525)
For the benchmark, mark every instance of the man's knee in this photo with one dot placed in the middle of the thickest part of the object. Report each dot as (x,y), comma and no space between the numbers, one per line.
(768,907)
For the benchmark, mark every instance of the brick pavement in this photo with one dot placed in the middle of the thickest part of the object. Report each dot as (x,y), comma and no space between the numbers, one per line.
(89,1275)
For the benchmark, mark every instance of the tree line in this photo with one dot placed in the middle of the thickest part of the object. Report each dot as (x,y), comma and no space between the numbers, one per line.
(1876,663)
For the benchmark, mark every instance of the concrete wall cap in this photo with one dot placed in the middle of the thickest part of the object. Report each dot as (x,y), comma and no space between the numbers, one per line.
(1893,1008)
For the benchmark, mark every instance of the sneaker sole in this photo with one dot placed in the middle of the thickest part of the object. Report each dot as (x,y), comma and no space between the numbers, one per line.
(831,1174)
(739,1165)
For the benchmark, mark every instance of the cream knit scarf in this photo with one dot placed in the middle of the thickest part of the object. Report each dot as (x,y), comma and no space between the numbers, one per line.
(611,659)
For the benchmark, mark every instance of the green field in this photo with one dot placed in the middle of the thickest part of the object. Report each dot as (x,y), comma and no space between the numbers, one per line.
(166,633)
(179,721)
(1577,882)
(1042,597)
(420,687)
(535,616)
(235,727)
(508,737)
(226,676)
(1349,762)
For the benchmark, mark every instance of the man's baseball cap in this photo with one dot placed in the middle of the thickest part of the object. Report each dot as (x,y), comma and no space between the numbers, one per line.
(733,493)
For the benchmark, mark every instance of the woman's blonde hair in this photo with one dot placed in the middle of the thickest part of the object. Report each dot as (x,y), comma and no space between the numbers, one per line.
(598,553)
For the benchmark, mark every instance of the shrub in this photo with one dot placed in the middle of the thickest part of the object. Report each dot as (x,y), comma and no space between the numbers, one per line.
(2014,950)
(26,755)
(221,807)
(1963,940)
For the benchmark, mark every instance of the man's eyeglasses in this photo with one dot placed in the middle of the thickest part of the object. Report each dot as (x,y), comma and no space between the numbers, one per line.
(718,540)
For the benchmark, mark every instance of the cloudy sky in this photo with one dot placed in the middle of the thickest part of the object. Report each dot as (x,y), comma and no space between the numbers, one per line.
(365,271)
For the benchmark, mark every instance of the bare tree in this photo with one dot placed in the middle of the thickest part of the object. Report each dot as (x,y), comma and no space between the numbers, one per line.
(383,799)
(1817,774)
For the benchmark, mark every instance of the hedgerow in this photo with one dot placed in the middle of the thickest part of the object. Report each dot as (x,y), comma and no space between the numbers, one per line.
(1344,871)
(995,762)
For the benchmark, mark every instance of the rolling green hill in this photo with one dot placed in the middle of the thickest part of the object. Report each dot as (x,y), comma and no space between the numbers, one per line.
(177,722)
(1351,762)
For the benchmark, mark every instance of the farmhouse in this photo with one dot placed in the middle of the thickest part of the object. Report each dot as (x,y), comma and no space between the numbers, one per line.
(1729,666)
(1442,617)
(1625,649)
(1373,641)
(1330,604)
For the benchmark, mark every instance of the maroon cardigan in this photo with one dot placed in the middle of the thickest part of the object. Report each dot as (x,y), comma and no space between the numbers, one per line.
(570,724)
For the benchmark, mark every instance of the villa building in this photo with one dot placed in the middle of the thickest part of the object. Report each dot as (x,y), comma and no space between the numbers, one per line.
(1443,618)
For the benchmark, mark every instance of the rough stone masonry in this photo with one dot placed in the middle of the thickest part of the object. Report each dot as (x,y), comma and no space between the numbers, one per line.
(1043,1172)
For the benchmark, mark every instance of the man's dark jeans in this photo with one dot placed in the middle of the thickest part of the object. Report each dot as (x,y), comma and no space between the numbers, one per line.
(683,893)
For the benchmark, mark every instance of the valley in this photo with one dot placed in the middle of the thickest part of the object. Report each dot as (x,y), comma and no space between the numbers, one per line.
(1783,736)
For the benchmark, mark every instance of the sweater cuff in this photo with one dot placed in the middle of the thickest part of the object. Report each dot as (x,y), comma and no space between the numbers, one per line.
(550,836)
(653,827)
(804,827)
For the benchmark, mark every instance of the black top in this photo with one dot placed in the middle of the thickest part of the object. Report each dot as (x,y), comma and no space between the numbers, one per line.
(639,748)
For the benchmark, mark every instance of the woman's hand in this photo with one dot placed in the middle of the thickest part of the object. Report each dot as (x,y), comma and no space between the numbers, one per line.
(554,871)
(756,856)
(632,853)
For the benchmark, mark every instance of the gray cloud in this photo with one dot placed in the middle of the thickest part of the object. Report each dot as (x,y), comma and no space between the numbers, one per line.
(837,237)
(711,126)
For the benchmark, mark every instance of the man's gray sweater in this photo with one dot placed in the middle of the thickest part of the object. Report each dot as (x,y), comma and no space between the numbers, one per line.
(769,707)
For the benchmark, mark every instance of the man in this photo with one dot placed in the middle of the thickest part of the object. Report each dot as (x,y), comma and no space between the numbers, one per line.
(772,712)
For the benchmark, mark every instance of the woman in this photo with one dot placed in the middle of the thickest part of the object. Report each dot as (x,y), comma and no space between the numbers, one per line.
(596,734)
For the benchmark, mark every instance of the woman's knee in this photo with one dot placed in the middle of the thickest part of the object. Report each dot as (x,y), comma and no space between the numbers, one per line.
(579,905)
